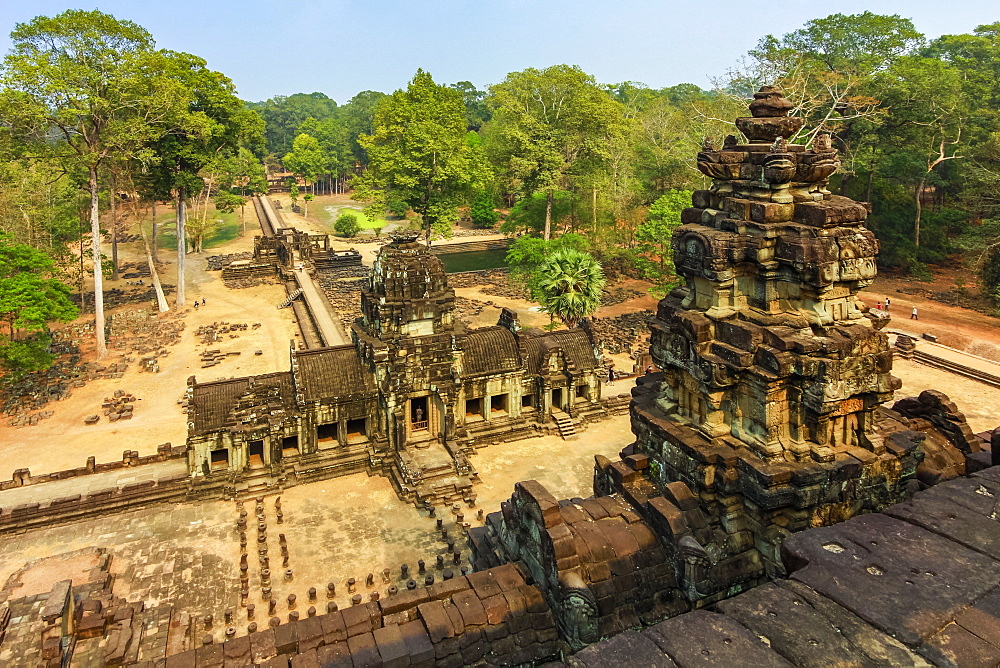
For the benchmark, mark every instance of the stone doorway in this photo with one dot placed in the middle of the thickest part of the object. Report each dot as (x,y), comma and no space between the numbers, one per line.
(326,436)
(557,397)
(220,459)
(255,454)
(356,432)
(419,419)
(289,446)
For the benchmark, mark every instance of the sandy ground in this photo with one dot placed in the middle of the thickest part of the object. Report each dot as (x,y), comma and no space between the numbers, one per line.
(63,441)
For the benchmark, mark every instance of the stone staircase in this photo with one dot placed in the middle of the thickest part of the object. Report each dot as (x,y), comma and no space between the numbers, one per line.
(565,424)
(429,476)
(291,297)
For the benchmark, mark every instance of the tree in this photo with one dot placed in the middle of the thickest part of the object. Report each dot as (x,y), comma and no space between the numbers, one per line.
(284,116)
(531,213)
(654,235)
(306,159)
(358,119)
(347,225)
(527,253)
(483,210)
(82,87)
(30,299)
(476,112)
(570,284)
(418,153)
(547,126)
(212,124)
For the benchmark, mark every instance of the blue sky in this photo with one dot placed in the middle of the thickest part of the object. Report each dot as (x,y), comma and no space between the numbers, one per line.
(340,47)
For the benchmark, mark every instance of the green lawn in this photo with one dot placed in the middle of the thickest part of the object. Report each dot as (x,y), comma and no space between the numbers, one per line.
(228,229)
(328,215)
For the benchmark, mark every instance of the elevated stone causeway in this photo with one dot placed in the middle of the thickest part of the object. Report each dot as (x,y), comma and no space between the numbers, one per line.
(915,585)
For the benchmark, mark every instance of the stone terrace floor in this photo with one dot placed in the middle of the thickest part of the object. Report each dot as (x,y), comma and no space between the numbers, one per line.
(186,556)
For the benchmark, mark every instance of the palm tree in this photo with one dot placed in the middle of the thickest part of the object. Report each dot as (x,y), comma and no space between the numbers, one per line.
(569,284)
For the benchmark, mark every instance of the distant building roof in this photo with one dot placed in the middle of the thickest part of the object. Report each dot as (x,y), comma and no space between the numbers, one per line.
(326,373)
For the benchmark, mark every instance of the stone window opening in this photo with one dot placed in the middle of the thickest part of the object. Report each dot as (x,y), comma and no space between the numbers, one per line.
(583,392)
(220,459)
(289,446)
(527,402)
(418,414)
(473,409)
(255,454)
(498,404)
(356,432)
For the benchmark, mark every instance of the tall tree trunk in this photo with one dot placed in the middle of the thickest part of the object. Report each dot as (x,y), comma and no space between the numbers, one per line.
(920,209)
(112,196)
(548,214)
(95,234)
(83,277)
(161,300)
(594,212)
(181,298)
(155,235)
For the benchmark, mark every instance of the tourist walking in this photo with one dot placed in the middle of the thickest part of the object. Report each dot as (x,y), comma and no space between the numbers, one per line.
(611,374)
(913,314)
(195,304)
(887,304)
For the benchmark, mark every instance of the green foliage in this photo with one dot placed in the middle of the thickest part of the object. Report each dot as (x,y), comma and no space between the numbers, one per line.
(483,210)
(396,207)
(654,235)
(347,225)
(418,153)
(476,111)
(306,158)
(549,125)
(293,191)
(284,116)
(528,214)
(570,284)
(527,254)
(228,202)
(30,299)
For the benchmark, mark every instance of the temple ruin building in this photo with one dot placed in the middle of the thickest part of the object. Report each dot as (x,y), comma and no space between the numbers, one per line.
(766,417)
(411,397)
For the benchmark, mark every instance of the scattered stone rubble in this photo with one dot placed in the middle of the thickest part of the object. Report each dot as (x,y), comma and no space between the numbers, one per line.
(219,330)
(218,262)
(250,282)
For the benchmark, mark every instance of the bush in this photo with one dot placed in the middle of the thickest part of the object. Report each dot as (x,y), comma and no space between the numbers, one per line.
(347,225)
(397,208)
(483,212)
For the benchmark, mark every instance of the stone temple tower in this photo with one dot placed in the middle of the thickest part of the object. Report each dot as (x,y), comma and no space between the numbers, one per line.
(767,409)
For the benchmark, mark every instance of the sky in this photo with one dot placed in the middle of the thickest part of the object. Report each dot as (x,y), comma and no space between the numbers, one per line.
(341,47)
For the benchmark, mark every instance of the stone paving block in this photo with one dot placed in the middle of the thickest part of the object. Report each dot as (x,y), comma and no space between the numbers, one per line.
(307,659)
(880,648)
(507,577)
(309,634)
(446,588)
(237,651)
(957,647)
(436,620)
(418,642)
(703,638)
(392,646)
(964,510)
(364,651)
(630,648)
(182,660)
(496,609)
(357,620)
(286,638)
(334,629)
(408,598)
(210,656)
(335,655)
(870,564)
(801,633)
(484,584)
(262,645)
(275,662)
(470,607)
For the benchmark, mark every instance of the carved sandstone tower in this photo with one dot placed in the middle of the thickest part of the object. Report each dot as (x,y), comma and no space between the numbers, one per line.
(772,369)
